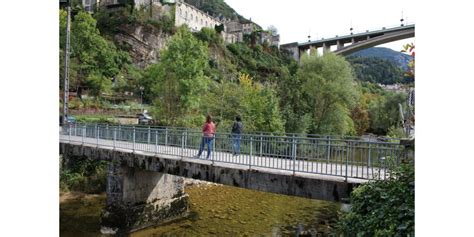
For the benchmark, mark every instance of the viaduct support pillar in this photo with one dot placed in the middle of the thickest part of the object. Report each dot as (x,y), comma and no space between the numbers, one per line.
(138,198)
(326,48)
(339,44)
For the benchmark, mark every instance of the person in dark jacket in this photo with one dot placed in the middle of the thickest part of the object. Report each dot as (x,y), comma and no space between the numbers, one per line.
(208,133)
(236,134)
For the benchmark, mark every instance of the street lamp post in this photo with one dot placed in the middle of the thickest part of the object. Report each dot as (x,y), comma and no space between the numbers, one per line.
(66,64)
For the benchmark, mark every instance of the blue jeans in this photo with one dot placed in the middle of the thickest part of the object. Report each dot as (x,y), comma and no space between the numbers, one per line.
(236,143)
(208,141)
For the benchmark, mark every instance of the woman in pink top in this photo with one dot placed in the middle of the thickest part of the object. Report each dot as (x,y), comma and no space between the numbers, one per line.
(208,131)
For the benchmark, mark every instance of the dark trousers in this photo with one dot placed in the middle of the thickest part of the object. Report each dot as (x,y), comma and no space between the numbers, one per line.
(236,143)
(208,141)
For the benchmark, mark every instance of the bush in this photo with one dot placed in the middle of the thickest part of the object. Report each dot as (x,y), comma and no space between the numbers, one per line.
(383,208)
(84,175)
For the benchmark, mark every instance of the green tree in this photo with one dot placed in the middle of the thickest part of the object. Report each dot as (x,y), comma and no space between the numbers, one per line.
(261,106)
(328,83)
(257,104)
(98,84)
(178,81)
(384,111)
(91,54)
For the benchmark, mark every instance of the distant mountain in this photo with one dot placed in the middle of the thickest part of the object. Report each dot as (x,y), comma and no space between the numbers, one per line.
(376,70)
(400,59)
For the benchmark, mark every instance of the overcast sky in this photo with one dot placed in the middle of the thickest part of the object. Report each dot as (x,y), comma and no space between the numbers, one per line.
(296,19)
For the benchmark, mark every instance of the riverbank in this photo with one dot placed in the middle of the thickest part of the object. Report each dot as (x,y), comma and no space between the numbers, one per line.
(214,210)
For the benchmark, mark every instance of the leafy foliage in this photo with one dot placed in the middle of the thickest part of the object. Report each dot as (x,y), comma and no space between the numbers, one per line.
(260,62)
(94,60)
(210,36)
(327,82)
(83,174)
(257,104)
(410,73)
(384,111)
(111,22)
(383,208)
(178,82)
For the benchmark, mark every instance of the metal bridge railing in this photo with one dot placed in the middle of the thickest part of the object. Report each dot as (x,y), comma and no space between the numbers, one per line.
(326,155)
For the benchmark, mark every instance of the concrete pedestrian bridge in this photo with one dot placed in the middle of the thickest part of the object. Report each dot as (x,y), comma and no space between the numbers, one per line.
(141,159)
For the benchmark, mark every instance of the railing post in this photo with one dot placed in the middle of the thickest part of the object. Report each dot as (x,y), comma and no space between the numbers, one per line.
(328,154)
(214,149)
(106,131)
(261,145)
(115,136)
(149,134)
(370,160)
(84,129)
(119,136)
(251,148)
(186,138)
(156,141)
(69,125)
(75,130)
(133,139)
(348,146)
(166,136)
(182,144)
(294,154)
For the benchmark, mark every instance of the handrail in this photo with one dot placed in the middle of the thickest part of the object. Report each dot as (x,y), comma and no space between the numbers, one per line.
(272,134)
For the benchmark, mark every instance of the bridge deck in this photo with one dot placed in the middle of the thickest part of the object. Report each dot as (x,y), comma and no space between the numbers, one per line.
(315,168)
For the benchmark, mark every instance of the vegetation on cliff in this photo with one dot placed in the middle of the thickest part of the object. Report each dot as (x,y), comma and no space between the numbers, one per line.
(198,74)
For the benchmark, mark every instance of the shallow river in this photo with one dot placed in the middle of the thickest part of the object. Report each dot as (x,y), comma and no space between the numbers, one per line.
(218,211)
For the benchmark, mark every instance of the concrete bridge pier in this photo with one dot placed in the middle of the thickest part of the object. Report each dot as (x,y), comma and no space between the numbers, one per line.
(326,48)
(340,45)
(137,198)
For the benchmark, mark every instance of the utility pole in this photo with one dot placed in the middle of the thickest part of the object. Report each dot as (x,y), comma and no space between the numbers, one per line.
(66,64)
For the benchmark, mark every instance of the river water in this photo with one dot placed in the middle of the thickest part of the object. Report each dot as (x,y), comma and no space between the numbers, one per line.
(215,210)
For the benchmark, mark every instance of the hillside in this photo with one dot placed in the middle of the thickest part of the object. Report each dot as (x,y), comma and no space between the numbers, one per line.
(216,8)
(376,70)
(396,57)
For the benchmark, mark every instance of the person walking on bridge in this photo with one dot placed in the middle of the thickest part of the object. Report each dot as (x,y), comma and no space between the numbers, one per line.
(208,133)
(236,134)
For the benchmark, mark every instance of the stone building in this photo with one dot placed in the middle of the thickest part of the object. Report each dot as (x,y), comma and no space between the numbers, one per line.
(273,40)
(194,18)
